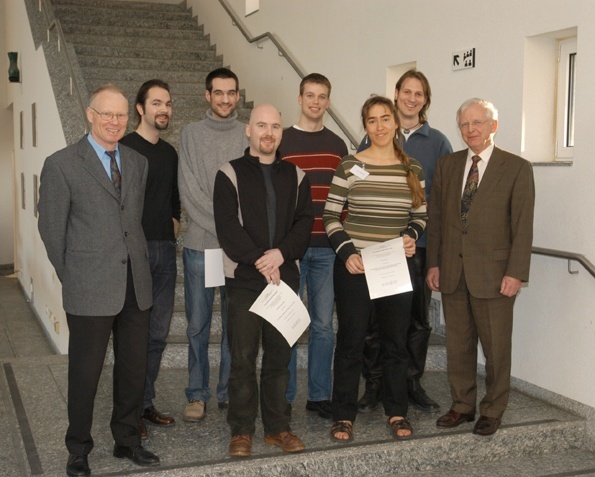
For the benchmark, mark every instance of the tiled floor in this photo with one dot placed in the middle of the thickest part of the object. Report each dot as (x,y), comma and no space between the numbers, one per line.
(33,418)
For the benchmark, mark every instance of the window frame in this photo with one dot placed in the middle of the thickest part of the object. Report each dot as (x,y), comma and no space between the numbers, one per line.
(566,98)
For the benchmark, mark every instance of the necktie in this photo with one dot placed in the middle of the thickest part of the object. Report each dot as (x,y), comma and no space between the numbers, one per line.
(470,189)
(115,172)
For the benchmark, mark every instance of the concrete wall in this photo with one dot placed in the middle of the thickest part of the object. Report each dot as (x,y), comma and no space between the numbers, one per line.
(35,272)
(357,43)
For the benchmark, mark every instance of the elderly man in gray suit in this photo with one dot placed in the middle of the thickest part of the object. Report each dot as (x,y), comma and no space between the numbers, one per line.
(90,210)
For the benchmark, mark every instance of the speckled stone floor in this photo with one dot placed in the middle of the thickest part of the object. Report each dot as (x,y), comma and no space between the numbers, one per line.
(535,439)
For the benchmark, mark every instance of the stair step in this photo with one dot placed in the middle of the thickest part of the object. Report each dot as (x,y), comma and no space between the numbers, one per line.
(113,75)
(565,463)
(112,33)
(198,42)
(123,20)
(157,65)
(118,12)
(146,53)
(145,6)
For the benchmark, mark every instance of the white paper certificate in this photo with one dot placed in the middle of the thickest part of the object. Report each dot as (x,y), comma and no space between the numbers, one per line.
(386,268)
(214,276)
(282,308)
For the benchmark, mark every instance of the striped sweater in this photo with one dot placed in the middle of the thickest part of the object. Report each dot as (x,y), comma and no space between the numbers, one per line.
(379,206)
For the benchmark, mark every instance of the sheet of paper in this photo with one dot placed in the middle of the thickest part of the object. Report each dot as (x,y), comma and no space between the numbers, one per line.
(214,276)
(386,269)
(282,308)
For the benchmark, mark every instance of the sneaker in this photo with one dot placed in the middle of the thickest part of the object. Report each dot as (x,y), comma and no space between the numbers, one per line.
(223,405)
(195,411)
(323,408)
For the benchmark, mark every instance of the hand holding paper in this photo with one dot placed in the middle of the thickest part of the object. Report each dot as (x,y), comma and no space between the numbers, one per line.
(282,308)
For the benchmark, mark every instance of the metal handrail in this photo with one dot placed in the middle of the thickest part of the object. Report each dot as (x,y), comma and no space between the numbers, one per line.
(570,256)
(55,24)
(283,51)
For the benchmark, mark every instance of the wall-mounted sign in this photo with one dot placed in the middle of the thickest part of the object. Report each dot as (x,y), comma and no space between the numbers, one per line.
(463,59)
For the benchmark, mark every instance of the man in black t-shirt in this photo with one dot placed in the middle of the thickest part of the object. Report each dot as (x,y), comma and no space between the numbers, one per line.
(161,217)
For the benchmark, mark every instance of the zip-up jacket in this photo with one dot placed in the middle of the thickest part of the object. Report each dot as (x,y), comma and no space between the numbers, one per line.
(241,221)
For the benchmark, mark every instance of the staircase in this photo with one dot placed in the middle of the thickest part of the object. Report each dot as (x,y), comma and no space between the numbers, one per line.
(128,43)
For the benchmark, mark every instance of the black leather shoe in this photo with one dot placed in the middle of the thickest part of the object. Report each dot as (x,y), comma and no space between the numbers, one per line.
(419,399)
(323,408)
(139,455)
(371,398)
(77,465)
(158,419)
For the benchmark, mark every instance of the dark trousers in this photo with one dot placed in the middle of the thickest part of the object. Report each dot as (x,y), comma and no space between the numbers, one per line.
(162,259)
(354,307)
(89,338)
(418,335)
(245,330)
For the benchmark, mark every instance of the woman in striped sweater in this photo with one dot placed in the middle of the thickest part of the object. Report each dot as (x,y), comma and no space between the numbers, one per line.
(384,192)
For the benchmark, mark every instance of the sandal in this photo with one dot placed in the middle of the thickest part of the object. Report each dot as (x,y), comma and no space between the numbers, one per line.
(398,425)
(342,426)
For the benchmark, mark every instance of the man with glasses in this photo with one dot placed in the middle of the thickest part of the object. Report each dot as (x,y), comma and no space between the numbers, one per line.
(204,147)
(480,231)
(90,210)
(161,217)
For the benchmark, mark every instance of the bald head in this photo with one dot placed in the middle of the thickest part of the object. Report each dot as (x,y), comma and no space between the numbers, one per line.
(264,131)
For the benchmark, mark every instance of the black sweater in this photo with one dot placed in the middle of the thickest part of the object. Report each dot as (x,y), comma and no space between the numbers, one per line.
(242,224)
(162,200)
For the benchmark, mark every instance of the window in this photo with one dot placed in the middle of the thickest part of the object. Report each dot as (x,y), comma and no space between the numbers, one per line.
(565,98)
(548,125)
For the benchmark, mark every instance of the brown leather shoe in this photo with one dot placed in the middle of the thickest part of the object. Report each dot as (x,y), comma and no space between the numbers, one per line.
(158,419)
(486,426)
(240,445)
(287,441)
(142,429)
(453,419)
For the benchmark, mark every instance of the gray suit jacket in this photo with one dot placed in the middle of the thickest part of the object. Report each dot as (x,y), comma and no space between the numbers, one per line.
(499,233)
(89,233)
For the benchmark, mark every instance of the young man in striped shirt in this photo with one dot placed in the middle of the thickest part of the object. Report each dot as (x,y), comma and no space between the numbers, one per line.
(317,151)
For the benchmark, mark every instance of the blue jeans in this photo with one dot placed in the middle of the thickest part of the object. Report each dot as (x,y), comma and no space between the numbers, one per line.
(199,309)
(162,260)
(316,273)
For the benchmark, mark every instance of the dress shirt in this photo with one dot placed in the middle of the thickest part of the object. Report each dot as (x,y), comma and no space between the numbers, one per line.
(103,157)
(481,165)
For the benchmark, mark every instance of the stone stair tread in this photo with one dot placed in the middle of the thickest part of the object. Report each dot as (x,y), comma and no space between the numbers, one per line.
(113,33)
(564,463)
(151,6)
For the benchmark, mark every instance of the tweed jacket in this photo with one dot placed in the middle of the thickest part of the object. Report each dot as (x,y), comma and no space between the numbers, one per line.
(497,239)
(90,233)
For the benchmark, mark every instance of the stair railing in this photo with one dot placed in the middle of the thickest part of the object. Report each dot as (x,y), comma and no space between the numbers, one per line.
(73,84)
(570,256)
(285,53)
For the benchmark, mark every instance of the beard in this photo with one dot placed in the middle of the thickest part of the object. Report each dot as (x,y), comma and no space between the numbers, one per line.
(161,126)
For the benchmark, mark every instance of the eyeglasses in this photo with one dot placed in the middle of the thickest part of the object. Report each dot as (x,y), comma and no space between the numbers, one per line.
(475,123)
(121,117)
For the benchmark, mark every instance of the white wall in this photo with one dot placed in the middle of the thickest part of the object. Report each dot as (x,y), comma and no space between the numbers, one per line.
(6,161)
(354,42)
(35,272)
